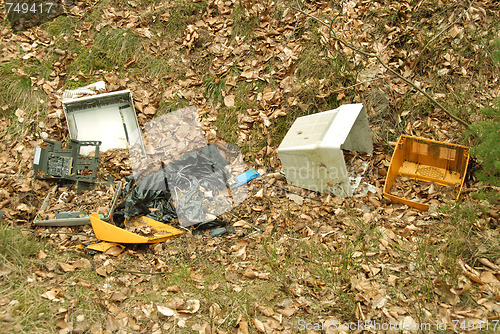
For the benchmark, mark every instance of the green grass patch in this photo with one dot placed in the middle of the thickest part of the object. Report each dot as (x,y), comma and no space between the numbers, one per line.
(171,105)
(111,49)
(181,13)
(214,87)
(17,91)
(61,25)
(243,23)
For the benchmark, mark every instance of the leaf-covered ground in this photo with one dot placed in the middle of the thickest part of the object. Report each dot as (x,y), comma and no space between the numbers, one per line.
(298,259)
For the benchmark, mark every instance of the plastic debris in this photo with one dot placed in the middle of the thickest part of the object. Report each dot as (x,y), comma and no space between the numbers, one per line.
(429,161)
(311,152)
(156,231)
(243,178)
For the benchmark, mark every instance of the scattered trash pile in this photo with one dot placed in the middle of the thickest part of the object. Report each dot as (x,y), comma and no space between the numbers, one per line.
(330,152)
(131,184)
(131,187)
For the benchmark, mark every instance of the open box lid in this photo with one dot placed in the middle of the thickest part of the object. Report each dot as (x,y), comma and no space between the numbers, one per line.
(108,117)
(343,128)
(311,151)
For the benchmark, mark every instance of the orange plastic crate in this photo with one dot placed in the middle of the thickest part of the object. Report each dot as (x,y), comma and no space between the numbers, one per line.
(426,160)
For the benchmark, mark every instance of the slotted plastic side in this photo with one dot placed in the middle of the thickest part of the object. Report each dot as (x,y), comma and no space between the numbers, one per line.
(427,160)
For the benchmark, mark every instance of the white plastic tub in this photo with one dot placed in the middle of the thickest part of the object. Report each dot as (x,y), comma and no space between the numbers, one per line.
(311,152)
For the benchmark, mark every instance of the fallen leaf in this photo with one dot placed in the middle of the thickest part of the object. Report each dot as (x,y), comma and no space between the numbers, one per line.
(82,263)
(61,323)
(114,251)
(174,288)
(288,311)
(241,223)
(50,295)
(168,312)
(229,101)
(242,324)
(117,297)
(66,267)
(101,271)
(191,306)
(487,277)
(41,255)
(296,198)
(259,194)
(4,271)
(111,323)
(259,325)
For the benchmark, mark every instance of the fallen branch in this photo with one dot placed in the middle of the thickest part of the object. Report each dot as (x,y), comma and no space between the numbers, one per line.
(439,34)
(379,59)
(142,272)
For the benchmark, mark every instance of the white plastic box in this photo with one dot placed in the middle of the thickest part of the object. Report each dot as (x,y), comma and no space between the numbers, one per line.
(311,152)
(109,118)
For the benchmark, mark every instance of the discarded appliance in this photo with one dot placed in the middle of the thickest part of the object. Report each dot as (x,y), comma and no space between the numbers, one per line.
(108,232)
(55,162)
(311,152)
(426,160)
(108,117)
(74,218)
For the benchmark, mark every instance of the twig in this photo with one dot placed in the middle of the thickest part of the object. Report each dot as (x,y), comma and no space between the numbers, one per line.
(447,27)
(379,59)
(294,192)
(439,34)
(294,28)
(142,272)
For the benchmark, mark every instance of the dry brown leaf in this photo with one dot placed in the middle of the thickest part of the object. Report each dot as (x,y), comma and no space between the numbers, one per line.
(150,110)
(114,251)
(166,311)
(82,263)
(288,311)
(66,267)
(296,198)
(242,324)
(191,306)
(259,194)
(444,290)
(259,325)
(229,101)
(117,297)
(267,311)
(173,288)
(41,255)
(488,277)
(101,271)
(61,322)
(50,295)
(111,323)
(241,223)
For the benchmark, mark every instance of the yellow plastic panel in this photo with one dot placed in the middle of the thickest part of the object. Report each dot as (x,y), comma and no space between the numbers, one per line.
(111,233)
